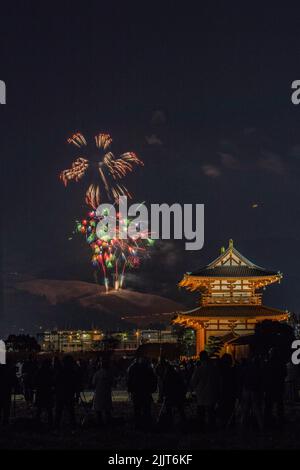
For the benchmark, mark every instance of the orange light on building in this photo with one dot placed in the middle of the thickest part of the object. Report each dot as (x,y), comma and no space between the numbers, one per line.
(230,304)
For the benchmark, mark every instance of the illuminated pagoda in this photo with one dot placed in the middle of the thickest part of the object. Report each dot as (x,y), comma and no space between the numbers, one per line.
(230,301)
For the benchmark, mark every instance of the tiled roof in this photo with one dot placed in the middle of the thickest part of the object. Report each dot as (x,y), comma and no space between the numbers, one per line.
(232,271)
(238,311)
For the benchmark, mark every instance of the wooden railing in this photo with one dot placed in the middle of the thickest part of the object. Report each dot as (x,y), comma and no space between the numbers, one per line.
(232,300)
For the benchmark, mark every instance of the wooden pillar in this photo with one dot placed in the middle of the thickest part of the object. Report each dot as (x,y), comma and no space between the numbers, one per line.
(200,339)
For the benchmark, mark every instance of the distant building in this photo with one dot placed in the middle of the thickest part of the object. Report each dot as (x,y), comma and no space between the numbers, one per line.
(81,340)
(230,302)
(69,340)
(157,336)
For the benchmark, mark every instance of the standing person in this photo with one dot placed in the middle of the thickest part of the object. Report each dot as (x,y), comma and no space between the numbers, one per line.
(29,370)
(188,373)
(205,383)
(160,372)
(103,381)
(142,382)
(291,390)
(66,387)
(173,393)
(45,391)
(92,368)
(274,381)
(228,390)
(251,396)
(8,381)
(81,377)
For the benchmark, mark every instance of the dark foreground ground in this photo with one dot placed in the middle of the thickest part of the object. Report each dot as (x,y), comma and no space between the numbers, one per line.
(25,433)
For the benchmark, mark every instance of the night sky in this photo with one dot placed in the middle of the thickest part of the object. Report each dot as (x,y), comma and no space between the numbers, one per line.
(202,94)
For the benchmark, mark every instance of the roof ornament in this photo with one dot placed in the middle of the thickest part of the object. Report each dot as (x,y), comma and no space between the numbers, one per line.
(230,244)
(222,249)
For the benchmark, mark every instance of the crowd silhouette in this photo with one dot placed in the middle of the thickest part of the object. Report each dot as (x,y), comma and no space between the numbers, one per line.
(208,393)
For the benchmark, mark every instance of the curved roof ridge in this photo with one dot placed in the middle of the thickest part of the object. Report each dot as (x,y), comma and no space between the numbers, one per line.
(246,266)
(234,311)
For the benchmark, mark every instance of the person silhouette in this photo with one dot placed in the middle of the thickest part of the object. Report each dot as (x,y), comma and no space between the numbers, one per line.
(141,384)
(173,393)
(66,385)
(228,390)
(44,384)
(274,380)
(2,352)
(205,382)
(8,383)
(103,381)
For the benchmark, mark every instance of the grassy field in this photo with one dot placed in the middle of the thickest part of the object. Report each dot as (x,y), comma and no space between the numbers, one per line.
(24,433)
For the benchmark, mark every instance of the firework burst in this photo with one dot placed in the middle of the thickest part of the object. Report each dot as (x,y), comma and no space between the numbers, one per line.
(111,254)
(104,169)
